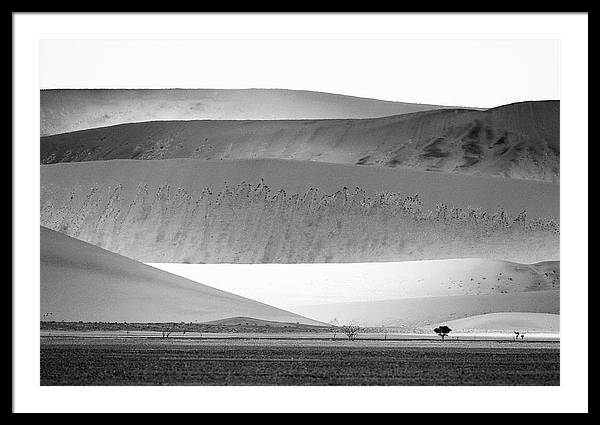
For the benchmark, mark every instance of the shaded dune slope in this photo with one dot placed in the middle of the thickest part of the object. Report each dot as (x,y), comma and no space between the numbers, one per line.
(64,111)
(518,141)
(159,211)
(80,281)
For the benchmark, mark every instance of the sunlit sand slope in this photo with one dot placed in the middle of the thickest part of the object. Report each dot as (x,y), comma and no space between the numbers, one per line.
(503,322)
(290,285)
(518,140)
(413,313)
(79,281)
(70,110)
(158,211)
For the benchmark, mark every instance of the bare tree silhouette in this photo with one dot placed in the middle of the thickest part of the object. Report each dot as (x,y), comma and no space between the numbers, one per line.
(351,331)
(384,331)
(167,332)
(334,326)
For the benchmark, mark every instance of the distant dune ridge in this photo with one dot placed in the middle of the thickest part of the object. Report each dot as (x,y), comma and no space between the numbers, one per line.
(157,211)
(519,140)
(63,111)
(465,294)
(415,313)
(520,322)
(488,294)
(355,282)
(79,281)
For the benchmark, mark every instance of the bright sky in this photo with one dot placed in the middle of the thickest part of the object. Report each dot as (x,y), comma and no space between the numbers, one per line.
(478,73)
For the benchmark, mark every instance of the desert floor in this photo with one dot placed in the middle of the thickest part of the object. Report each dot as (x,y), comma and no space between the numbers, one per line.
(218,359)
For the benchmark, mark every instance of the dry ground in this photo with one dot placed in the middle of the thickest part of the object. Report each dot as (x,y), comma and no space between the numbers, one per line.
(142,361)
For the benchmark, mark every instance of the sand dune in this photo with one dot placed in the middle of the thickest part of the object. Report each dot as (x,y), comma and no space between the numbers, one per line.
(241,323)
(63,111)
(408,295)
(291,285)
(415,313)
(158,211)
(539,199)
(521,322)
(275,176)
(518,141)
(83,282)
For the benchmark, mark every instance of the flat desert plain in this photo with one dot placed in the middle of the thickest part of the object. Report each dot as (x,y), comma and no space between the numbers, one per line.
(143,361)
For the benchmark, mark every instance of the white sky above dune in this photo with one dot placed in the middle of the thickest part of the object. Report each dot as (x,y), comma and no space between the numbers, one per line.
(477,73)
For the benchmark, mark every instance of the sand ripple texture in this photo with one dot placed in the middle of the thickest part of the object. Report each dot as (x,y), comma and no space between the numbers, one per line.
(250,223)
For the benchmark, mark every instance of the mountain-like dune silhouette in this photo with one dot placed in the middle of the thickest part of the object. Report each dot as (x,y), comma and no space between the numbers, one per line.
(519,141)
(80,281)
(160,211)
(239,323)
(63,111)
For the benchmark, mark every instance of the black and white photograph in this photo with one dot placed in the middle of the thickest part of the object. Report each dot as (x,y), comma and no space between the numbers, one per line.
(320,216)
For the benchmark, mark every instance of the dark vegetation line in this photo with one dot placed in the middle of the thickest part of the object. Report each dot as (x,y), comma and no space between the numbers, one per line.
(180,328)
